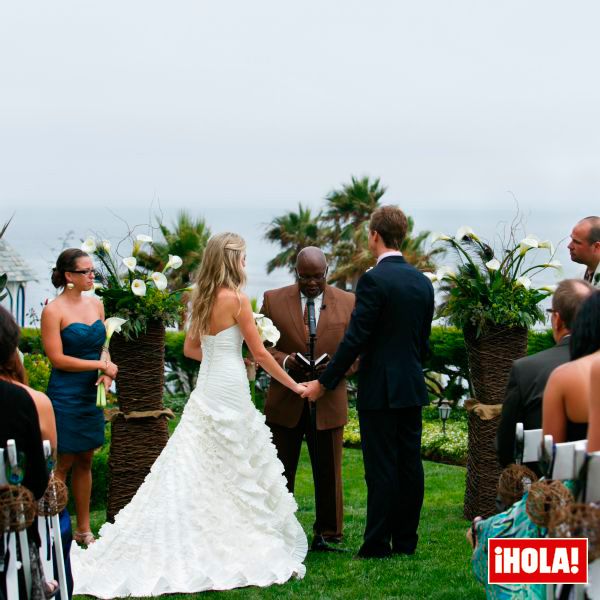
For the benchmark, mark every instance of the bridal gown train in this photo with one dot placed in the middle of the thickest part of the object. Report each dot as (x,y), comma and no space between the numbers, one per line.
(214,512)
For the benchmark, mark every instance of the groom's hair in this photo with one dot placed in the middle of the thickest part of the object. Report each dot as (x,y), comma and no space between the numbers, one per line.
(391,224)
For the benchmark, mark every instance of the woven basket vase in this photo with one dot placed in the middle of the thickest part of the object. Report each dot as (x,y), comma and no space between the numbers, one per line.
(490,359)
(136,442)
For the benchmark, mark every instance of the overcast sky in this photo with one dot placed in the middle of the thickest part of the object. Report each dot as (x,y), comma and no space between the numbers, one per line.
(451,103)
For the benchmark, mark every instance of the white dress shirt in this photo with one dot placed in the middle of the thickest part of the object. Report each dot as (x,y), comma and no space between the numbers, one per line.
(318,304)
(386,254)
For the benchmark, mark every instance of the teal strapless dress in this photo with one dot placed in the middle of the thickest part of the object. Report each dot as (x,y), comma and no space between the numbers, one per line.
(79,422)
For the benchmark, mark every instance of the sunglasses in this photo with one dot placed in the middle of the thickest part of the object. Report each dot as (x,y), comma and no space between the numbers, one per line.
(84,271)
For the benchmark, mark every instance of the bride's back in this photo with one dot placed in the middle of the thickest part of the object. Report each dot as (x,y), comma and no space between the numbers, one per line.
(226,307)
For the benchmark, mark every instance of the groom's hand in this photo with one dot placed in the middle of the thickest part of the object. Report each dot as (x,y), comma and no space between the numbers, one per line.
(314,390)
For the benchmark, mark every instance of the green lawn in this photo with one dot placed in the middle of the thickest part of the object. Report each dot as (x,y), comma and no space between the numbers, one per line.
(439,569)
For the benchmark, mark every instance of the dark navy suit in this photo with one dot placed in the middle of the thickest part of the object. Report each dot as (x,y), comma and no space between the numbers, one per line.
(389,330)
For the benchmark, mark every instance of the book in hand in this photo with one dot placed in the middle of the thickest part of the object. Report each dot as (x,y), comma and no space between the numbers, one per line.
(306,362)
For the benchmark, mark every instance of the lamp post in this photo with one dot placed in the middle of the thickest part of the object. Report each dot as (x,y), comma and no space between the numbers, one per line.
(444,410)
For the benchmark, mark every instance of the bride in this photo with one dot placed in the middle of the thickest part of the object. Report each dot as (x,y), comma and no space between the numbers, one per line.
(214,512)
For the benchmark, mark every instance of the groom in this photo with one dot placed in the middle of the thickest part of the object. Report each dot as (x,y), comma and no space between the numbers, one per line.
(389,330)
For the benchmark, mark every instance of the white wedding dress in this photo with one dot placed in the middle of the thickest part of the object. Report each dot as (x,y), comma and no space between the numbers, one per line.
(214,513)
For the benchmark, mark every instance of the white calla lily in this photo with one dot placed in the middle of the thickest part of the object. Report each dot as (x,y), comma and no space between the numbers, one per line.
(113,325)
(523,281)
(554,264)
(130,262)
(445,273)
(98,286)
(431,276)
(106,245)
(143,238)
(465,232)
(160,281)
(549,288)
(174,262)
(493,265)
(439,237)
(527,244)
(547,244)
(267,331)
(138,287)
(89,245)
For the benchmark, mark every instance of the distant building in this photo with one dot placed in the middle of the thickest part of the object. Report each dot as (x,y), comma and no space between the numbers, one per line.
(19,274)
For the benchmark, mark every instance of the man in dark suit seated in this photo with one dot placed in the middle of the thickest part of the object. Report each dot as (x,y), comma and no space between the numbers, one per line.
(389,330)
(528,376)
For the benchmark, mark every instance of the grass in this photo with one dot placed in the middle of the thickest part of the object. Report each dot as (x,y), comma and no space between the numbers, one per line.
(439,570)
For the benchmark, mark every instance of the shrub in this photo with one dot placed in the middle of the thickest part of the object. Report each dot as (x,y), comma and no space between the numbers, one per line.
(38,370)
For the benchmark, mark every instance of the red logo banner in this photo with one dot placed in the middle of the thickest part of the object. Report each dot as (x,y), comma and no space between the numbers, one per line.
(537,560)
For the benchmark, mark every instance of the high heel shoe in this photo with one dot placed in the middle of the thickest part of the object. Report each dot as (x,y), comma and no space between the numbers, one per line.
(84,537)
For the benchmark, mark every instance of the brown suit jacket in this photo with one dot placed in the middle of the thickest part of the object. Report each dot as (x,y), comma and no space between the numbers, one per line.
(283,307)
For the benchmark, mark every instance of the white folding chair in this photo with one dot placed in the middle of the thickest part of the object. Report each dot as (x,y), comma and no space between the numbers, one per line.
(592,494)
(49,528)
(527,444)
(563,460)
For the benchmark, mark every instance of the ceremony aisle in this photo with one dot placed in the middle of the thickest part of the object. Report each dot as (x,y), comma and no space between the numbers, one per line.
(440,569)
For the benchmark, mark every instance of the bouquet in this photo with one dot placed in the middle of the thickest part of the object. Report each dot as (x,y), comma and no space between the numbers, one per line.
(113,325)
(269,334)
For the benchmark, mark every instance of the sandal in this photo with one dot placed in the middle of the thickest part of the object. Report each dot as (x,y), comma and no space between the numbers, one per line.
(84,537)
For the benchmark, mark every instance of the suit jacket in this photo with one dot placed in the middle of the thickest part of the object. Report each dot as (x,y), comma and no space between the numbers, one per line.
(283,307)
(389,330)
(595,277)
(524,394)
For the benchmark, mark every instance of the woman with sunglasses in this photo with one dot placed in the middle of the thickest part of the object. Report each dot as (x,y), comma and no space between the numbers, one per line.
(73,334)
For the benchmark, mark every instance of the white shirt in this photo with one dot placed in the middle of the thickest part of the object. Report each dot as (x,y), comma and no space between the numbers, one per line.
(386,254)
(318,303)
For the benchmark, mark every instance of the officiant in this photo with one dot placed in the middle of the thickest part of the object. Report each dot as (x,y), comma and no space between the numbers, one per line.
(288,414)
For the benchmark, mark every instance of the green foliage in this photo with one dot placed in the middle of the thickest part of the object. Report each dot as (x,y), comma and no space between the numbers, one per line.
(181,372)
(186,238)
(38,369)
(488,290)
(450,448)
(31,341)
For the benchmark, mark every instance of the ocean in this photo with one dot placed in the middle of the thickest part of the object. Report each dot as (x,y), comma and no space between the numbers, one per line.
(39,233)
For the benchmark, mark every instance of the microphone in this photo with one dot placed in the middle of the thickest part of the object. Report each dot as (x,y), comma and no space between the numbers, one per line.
(312,321)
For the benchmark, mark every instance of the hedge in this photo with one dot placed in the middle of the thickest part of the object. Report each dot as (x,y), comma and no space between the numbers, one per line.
(446,370)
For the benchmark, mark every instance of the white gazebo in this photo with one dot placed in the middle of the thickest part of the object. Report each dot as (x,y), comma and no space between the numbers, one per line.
(18,273)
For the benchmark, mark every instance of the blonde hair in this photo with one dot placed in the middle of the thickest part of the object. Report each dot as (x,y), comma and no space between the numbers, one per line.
(221,267)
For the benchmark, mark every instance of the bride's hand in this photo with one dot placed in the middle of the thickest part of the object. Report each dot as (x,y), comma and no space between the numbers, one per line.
(299,388)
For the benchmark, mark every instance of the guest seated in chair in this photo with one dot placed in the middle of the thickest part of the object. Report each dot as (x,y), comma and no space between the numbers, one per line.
(26,417)
(529,375)
(594,421)
(565,414)
(566,401)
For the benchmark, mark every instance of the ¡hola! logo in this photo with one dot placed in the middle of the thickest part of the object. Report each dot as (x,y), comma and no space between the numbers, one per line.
(537,560)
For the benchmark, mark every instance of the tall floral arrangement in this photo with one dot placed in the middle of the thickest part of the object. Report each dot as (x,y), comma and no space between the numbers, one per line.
(132,292)
(490,287)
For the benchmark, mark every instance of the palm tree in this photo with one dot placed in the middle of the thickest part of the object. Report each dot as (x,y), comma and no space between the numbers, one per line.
(348,212)
(414,251)
(187,240)
(293,231)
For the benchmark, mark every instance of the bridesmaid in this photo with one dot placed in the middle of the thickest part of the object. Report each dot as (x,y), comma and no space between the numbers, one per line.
(73,334)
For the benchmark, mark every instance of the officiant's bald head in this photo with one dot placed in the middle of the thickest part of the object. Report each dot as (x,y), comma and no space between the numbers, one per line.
(311,271)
